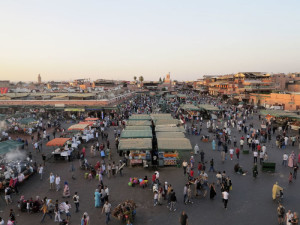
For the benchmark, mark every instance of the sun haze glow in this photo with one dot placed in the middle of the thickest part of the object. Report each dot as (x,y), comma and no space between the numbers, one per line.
(118,39)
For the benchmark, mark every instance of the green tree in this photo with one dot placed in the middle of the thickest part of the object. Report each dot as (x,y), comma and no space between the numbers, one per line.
(160,80)
(141,79)
(134,78)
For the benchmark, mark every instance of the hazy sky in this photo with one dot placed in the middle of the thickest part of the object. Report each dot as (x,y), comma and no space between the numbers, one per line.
(119,39)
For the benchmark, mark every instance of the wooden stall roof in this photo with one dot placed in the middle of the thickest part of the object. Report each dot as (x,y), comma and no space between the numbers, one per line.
(172,144)
(135,144)
(58,142)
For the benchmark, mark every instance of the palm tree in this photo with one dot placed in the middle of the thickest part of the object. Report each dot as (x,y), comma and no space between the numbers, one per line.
(141,79)
(134,78)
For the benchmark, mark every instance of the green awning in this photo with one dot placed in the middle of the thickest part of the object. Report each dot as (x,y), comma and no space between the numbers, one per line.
(138,128)
(166,122)
(171,144)
(168,129)
(208,107)
(138,123)
(170,135)
(27,121)
(139,117)
(135,144)
(136,134)
(6,146)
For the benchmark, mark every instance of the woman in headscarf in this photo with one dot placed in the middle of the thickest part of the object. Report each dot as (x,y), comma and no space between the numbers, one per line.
(97,198)
(66,192)
(85,219)
(291,160)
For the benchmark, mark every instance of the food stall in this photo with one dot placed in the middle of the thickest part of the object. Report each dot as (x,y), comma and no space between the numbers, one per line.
(169,150)
(15,165)
(87,133)
(139,149)
(64,147)
(27,125)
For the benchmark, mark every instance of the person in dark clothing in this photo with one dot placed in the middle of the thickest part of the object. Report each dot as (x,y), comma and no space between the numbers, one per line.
(183,218)
(202,156)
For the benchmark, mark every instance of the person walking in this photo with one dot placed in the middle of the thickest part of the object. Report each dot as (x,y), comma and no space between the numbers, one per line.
(173,200)
(231,153)
(211,166)
(45,211)
(183,218)
(57,212)
(41,168)
(285,159)
(237,152)
(107,208)
(295,169)
(225,196)
(57,182)
(76,201)
(52,180)
(280,213)
(184,166)
(255,154)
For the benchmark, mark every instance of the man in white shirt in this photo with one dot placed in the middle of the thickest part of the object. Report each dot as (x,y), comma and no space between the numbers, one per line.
(285,159)
(225,196)
(57,182)
(41,168)
(255,154)
(106,208)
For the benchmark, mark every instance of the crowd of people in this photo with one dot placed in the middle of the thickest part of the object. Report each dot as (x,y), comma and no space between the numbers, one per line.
(233,132)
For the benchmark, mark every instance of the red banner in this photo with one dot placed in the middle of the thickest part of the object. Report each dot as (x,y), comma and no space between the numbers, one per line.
(3,90)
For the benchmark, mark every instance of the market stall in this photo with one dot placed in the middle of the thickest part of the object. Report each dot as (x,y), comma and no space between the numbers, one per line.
(140,117)
(64,149)
(7,146)
(138,148)
(138,123)
(148,128)
(87,134)
(169,129)
(136,134)
(91,119)
(170,135)
(169,150)
(169,122)
(27,125)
